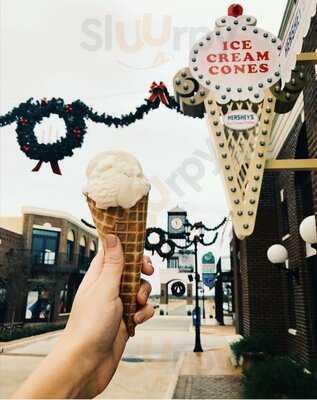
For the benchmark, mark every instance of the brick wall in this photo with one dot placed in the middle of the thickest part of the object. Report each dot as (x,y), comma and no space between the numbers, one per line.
(260,298)
(8,240)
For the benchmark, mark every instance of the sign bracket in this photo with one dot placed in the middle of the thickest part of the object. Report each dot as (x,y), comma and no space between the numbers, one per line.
(307,58)
(291,165)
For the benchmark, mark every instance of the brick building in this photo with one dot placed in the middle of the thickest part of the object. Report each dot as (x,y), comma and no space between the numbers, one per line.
(43,258)
(268,299)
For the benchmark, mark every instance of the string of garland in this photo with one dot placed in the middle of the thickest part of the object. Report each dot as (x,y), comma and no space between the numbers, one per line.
(198,225)
(29,114)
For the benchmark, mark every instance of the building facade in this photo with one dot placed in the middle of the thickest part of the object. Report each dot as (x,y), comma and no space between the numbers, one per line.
(43,258)
(267,299)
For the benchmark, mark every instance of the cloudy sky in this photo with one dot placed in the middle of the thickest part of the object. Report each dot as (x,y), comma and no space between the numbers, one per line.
(107,53)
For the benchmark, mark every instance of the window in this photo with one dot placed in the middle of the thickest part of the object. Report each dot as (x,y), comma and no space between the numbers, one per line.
(44,246)
(38,305)
(82,251)
(172,262)
(92,250)
(3,301)
(63,309)
(284,212)
(70,246)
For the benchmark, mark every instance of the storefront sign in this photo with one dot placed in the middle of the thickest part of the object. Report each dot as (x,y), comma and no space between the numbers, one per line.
(293,41)
(186,262)
(240,119)
(237,60)
(209,273)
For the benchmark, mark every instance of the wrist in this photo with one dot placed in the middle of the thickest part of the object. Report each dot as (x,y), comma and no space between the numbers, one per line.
(68,374)
(83,366)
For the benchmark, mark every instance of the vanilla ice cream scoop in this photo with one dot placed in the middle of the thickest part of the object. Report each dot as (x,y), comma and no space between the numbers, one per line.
(115,179)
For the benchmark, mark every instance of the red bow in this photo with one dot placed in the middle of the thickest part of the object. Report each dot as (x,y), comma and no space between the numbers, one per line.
(54,166)
(159,92)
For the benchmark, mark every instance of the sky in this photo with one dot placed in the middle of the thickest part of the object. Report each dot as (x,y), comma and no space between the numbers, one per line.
(107,53)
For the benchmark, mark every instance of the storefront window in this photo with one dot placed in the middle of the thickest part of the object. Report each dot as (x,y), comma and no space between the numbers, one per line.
(38,306)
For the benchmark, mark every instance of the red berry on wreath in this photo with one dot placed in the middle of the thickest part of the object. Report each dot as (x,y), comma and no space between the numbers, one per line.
(68,108)
(24,121)
(26,148)
(77,132)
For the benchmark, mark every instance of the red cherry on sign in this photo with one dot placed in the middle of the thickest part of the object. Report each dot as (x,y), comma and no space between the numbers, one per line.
(235,10)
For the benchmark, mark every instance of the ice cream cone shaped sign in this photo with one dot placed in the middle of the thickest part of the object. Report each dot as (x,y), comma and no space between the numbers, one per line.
(234,80)
(117,196)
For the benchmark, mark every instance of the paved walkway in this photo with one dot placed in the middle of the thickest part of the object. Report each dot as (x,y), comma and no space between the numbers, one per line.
(158,359)
(209,375)
(208,387)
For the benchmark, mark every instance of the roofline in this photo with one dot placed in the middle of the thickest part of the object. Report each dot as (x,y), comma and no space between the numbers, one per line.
(287,13)
(58,214)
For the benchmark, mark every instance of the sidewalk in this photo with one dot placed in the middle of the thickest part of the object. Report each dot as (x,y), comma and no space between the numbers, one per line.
(209,375)
(158,362)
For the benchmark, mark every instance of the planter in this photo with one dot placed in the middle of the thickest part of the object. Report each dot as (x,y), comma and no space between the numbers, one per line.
(249,359)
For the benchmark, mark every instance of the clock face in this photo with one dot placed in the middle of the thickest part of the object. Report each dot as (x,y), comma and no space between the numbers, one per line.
(177,223)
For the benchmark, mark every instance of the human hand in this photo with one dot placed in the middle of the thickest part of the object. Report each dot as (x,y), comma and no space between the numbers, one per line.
(87,354)
(95,321)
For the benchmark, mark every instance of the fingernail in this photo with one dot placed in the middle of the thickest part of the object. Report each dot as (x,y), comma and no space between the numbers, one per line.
(111,241)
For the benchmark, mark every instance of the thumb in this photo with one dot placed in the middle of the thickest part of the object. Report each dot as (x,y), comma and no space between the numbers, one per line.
(113,263)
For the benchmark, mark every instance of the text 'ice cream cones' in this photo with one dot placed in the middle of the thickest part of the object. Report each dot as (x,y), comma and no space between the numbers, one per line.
(117,195)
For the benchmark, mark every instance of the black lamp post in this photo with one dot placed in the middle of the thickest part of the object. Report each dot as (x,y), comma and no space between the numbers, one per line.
(203,299)
(198,239)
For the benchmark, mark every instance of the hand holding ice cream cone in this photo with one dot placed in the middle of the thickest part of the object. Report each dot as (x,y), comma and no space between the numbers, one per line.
(117,195)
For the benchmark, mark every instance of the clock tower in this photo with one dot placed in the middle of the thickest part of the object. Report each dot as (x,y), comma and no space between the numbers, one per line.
(175,222)
(180,265)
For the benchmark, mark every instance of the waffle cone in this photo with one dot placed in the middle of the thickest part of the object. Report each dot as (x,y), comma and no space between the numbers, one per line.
(130,226)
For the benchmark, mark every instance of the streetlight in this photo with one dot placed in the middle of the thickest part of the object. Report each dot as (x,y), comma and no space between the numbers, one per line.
(307,230)
(278,255)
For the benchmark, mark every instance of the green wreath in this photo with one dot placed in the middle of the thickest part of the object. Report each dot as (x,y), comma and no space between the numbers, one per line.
(72,114)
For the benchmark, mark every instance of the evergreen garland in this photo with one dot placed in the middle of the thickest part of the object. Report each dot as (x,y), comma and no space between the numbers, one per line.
(29,114)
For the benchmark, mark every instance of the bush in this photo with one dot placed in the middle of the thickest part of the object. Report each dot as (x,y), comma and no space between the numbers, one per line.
(256,343)
(17,332)
(278,378)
